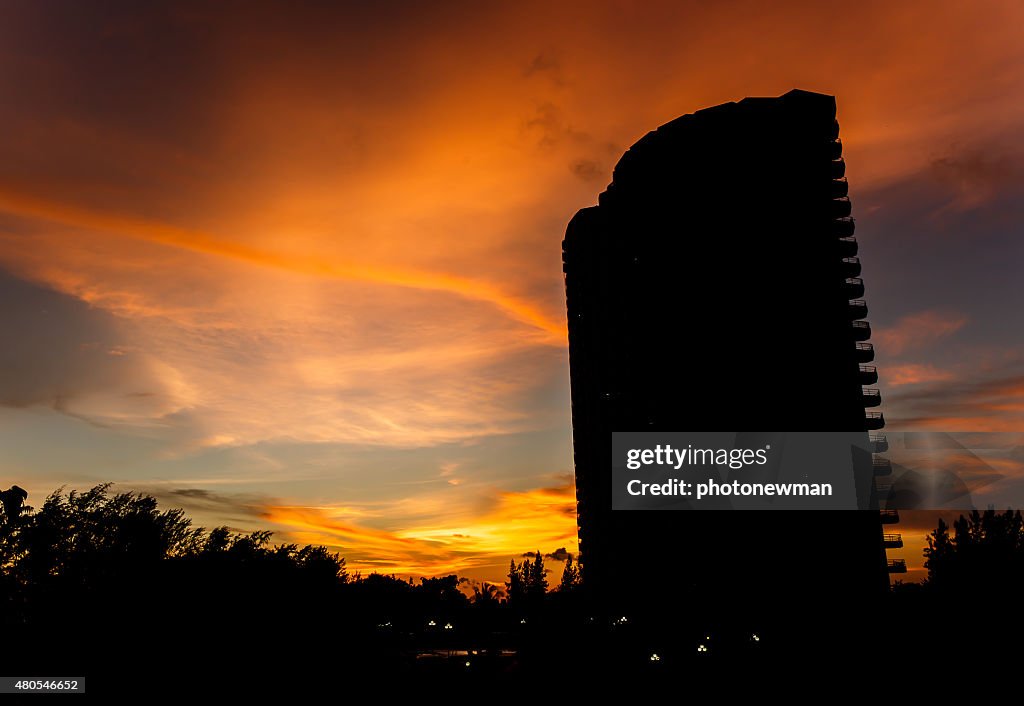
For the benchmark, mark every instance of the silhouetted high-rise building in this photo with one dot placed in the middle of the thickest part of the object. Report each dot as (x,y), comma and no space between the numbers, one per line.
(716,286)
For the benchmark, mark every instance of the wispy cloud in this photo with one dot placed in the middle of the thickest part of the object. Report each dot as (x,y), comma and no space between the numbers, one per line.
(206,243)
(914,374)
(918,330)
(977,178)
(985,403)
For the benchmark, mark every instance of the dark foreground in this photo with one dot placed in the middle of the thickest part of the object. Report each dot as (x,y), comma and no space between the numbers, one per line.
(235,647)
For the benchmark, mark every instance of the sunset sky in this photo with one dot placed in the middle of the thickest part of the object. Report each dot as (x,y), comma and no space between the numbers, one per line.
(297,266)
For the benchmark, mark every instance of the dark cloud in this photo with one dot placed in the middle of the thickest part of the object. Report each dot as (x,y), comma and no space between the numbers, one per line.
(57,349)
(588,170)
(553,129)
(234,509)
(560,554)
(196,493)
(594,156)
(199,498)
(549,124)
(979,177)
(546,64)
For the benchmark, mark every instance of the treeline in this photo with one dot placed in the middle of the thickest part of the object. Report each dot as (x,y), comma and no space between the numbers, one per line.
(983,552)
(97,550)
(93,579)
(96,577)
(82,550)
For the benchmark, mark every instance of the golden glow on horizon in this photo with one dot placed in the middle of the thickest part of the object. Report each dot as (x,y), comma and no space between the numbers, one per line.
(540,518)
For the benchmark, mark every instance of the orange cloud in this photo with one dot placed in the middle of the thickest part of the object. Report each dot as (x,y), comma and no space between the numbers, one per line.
(986,405)
(918,331)
(251,354)
(979,422)
(913,374)
(310,265)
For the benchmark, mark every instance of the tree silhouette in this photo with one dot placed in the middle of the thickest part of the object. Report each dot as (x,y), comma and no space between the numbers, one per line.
(984,554)
(485,594)
(538,581)
(12,501)
(528,581)
(91,536)
(516,585)
(443,592)
(92,549)
(570,576)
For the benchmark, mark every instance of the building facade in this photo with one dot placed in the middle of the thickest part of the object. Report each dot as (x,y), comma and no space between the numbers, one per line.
(716,285)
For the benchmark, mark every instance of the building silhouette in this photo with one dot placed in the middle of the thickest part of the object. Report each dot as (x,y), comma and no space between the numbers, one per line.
(717,286)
